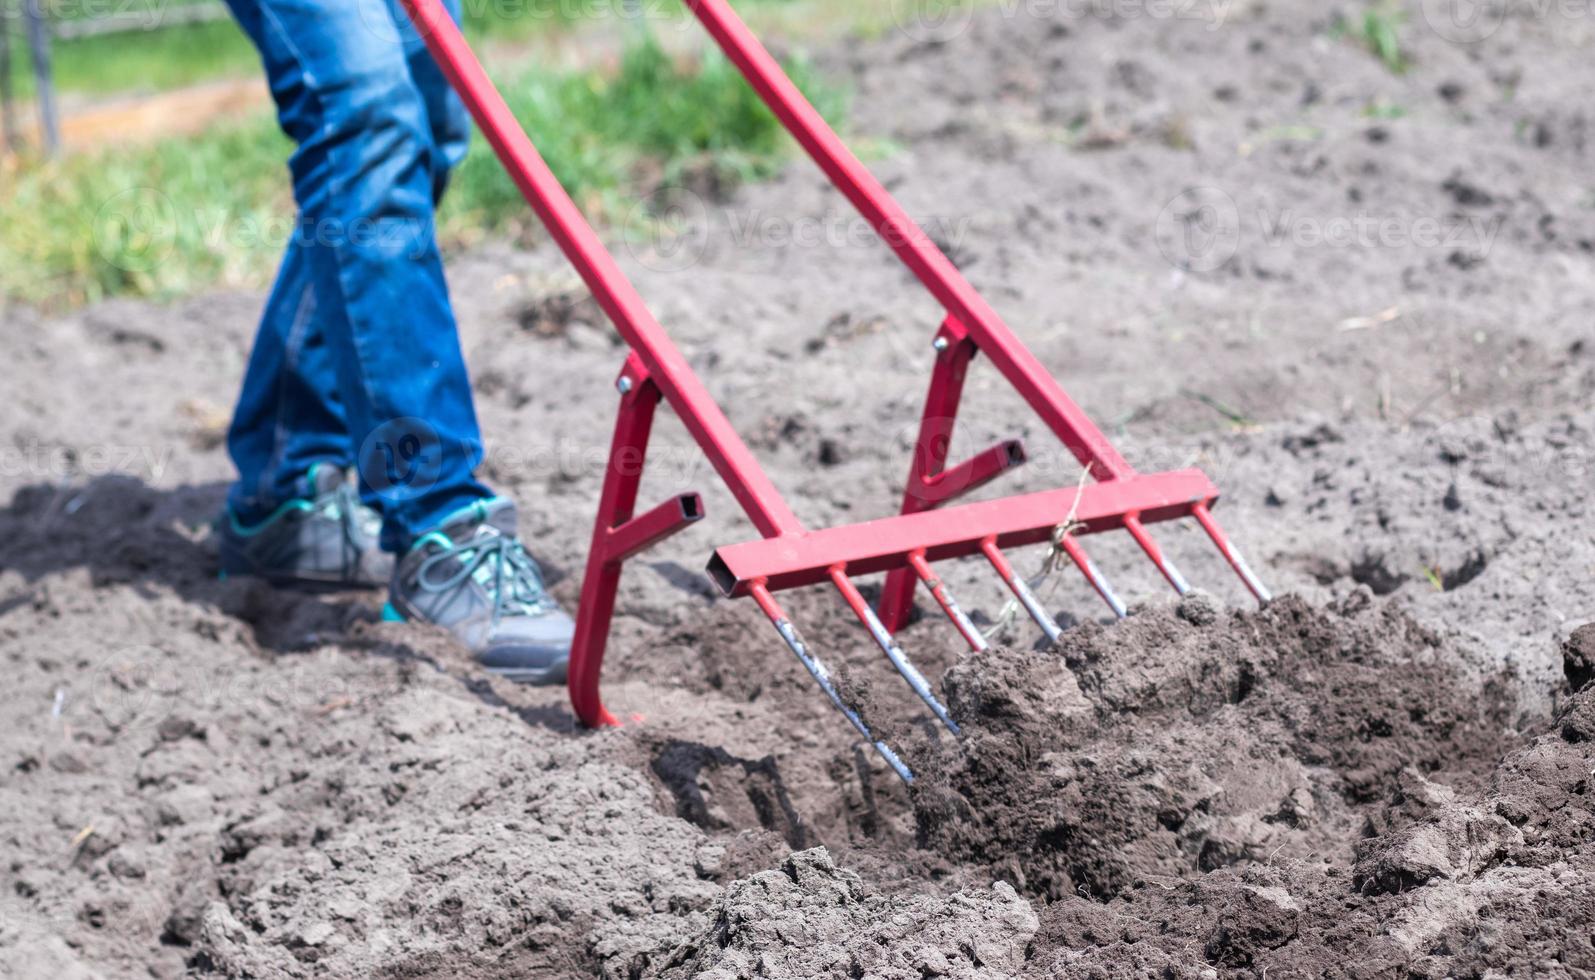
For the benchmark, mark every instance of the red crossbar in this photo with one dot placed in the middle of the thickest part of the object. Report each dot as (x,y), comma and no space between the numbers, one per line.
(792,560)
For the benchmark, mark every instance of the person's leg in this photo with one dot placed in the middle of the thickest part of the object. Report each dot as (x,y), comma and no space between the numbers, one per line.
(450,122)
(367,174)
(288,417)
(364,176)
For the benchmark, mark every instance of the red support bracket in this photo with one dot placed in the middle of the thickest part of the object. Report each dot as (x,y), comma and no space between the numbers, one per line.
(930,483)
(618,536)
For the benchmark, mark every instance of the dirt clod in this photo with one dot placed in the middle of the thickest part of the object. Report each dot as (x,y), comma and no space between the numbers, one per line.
(1578,657)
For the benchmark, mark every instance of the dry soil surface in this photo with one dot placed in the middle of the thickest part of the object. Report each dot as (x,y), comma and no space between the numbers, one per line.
(1359,299)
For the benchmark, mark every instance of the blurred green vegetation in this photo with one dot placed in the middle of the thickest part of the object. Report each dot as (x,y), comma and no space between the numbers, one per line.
(187,54)
(145,61)
(215,210)
(1379,31)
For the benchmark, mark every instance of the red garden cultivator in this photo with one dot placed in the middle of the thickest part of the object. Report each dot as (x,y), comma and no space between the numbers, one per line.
(789,555)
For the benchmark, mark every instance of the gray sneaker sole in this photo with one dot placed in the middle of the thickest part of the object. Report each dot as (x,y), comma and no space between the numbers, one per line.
(532,676)
(546,677)
(309,581)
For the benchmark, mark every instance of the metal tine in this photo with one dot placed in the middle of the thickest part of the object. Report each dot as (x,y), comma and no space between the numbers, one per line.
(890,647)
(1021,591)
(1231,554)
(949,605)
(822,677)
(1132,523)
(1089,569)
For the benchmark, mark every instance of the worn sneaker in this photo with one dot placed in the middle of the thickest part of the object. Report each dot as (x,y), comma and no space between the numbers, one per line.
(324,537)
(472,577)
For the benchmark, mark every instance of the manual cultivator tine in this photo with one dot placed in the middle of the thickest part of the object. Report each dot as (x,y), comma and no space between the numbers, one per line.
(822,677)
(890,647)
(1231,554)
(1089,569)
(1020,590)
(949,605)
(1132,523)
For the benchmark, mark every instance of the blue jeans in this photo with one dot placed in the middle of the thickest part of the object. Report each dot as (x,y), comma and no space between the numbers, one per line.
(357,361)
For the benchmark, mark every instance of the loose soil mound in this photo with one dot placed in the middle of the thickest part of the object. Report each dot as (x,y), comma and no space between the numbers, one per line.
(1445,883)
(1188,740)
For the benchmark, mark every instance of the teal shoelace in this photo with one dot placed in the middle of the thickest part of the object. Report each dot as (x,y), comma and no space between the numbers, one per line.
(499,563)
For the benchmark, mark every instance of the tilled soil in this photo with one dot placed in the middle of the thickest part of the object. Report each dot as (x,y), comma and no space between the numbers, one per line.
(1188,740)
(1385,773)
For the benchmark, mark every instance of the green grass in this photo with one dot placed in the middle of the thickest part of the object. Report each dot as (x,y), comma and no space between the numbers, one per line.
(1379,32)
(179,56)
(1382,108)
(183,55)
(148,61)
(648,124)
(160,220)
(212,210)
(195,53)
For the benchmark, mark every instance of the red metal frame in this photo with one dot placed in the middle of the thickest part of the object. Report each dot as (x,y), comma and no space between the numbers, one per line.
(617,535)
(930,484)
(789,555)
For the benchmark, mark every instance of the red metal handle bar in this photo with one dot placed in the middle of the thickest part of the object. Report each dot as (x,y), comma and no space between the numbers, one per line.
(910,242)
(610,287)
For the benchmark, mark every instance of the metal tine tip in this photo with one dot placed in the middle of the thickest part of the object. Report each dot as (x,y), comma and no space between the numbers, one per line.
(822,677)
(1132,523)
(1232,554)
(890,647)
(1021,591)
(1089,569)
(949,605)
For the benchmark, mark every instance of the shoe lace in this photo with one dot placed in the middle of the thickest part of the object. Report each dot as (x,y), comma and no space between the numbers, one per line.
(355,521)
(514,581)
